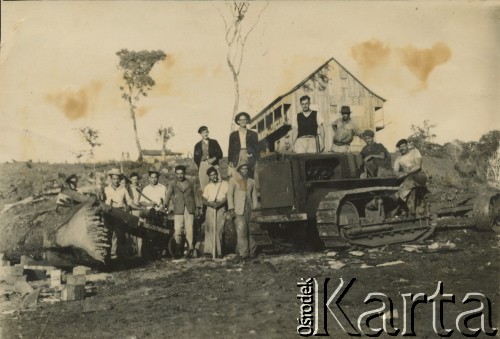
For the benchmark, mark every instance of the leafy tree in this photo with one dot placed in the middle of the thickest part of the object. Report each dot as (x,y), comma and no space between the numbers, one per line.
(136,67)
(493,172)
(422,139)
(422,135)
(163,135)
(488,143)
(236,38)
(483,155)
(90,136)
(489,149)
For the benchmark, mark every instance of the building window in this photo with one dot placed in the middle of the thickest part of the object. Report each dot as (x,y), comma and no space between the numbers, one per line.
(260,126)
(286,107)
(278,114)
(269,120)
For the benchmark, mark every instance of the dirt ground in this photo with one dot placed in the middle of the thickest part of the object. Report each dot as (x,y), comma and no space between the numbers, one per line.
(229,298)
(204,298)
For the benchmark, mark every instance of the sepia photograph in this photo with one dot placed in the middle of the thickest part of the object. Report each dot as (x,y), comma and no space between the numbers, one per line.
(249,169)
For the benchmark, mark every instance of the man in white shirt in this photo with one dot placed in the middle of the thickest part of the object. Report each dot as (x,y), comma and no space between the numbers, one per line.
(344,131)
(118,197)
(408,166)
(214,197)
(153,195)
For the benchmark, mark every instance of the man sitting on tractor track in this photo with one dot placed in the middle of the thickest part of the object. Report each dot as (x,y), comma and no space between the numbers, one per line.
(408,166)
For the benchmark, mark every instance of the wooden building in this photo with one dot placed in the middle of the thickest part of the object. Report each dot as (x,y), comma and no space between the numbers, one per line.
(330,87)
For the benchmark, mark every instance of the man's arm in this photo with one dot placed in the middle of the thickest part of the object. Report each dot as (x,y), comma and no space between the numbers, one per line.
(295,130)
(232,146)
(217,151)
(208,203)
(197,195)
(127,199)
(379,153)
(197,154)
(143,201)
(255,201)
(106,196)
(418,163)
(254,141)
(223,189)
(230,195)
(334,128)
(396,167)
(357,132)
(169,193)
(414,169)
(321,132)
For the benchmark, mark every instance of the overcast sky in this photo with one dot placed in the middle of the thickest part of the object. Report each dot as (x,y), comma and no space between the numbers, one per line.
(58,68)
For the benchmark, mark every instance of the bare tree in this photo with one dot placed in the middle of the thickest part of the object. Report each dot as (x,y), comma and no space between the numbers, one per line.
(236,38)
(163,135)
(136,67)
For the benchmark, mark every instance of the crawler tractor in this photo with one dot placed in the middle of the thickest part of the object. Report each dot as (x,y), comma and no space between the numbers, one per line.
(321,199)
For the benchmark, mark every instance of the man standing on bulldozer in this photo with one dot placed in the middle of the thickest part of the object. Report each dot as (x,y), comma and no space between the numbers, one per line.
(344,131)
(308,132)
(408,166)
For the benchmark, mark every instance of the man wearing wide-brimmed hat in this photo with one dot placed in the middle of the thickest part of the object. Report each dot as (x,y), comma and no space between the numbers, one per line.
(309,134)
(241,199)
(243,145)
(154,194)
(376,158)
(117,196)
(207,153)
(344,131)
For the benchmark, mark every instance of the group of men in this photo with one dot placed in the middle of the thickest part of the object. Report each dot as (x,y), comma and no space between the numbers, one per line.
(185,199)
(237,197)
(309,138)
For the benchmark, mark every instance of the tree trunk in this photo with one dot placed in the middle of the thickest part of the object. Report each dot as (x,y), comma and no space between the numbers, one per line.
(132,115)
(164,147)
(236,99)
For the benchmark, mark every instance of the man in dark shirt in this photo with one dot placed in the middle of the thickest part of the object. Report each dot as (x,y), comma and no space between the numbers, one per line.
(243,145)
(376,158)
(207,153)
(309,134)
